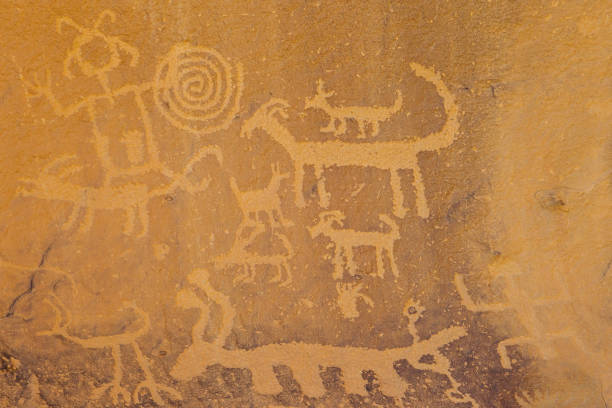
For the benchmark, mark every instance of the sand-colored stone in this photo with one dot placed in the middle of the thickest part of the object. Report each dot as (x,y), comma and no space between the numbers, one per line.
(305,204)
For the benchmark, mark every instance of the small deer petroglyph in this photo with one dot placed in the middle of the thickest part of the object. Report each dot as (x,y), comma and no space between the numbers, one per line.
(364,115)
(249,261)
(114,342)
(388,155)
(133,198)
(264,200)
(330,224)
(304,359)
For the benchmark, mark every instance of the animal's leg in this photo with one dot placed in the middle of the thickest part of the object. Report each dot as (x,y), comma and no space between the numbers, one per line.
(250,218)
(288,275)
(242,277)
(398,196)
(279,273)
(273,222)
(114,387)
(324,196)
(391,255)
(341,128)
(353,381)
(258,218)
(74,215)
(264,380)
(252,272)
(421,200)
(298,185)
(379,262)
(350,260)
(375,128)
(309,378)
(87,220)
(391,383)
(130,217)
(362,129)
(284,222)
(338,264)
(143,216)
(149,382)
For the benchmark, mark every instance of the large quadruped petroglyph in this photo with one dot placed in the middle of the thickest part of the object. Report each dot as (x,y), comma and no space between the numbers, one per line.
(310,204)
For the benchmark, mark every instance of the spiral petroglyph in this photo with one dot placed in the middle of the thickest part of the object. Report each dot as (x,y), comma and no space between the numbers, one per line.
(197,89)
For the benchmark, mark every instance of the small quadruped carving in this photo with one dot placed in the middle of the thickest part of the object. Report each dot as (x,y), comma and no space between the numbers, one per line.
(331,225)
(365,116)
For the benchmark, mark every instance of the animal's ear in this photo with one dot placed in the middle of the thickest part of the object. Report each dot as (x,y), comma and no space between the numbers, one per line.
(67,21)
(105,14)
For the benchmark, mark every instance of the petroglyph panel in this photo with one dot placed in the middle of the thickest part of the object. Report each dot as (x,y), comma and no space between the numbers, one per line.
(305,204)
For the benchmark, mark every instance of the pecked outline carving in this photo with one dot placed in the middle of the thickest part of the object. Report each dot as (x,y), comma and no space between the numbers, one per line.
(390,155)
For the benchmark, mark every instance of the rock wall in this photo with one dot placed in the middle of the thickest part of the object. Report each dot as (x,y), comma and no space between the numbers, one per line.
(305,204)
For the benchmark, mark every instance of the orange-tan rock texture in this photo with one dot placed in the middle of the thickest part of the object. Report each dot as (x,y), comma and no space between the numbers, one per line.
(284,203)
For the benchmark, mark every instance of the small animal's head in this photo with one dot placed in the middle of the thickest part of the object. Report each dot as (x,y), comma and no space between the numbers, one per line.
(319,100)
(413,310)
(328,221)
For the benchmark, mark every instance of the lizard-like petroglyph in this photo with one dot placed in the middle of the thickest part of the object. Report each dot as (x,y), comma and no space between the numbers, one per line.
(386,155)
(304,359)
(365,116)
(331,225)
